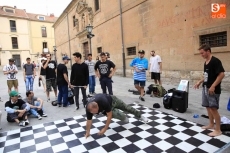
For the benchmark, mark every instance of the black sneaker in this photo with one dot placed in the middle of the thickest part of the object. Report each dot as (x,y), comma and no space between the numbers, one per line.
(26,122)
(141,98)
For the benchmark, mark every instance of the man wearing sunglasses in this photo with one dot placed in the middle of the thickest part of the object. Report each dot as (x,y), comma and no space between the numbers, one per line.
(17,109)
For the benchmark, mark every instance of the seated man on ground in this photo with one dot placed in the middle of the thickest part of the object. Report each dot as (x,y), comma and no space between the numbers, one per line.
(110,106)
(36,105)
(17,109)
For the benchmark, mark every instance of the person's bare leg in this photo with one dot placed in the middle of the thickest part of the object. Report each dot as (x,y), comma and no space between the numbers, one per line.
(55,92)
(216,116)
(142,91)
(16,89)
(17,121)
(48,94)
(138,88)
(211,120)
(159,81)
(155,81)
(9,90)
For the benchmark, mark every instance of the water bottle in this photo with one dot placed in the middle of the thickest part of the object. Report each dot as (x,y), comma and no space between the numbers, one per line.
(195,116)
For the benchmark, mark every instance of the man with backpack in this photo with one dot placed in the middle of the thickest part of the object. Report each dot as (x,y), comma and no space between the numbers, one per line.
(29,74)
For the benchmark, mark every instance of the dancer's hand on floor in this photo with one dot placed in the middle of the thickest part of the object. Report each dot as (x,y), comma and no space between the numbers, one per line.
(102,131)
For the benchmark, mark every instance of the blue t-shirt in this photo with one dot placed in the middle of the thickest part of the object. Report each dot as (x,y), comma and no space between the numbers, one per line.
(142,65)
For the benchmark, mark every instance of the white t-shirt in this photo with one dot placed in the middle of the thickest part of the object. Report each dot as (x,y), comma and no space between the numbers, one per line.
(154,63)
(91,65)
(12,75)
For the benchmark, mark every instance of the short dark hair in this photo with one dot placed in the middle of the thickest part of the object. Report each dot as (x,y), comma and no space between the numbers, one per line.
(102,54)
(89,54)
(27,58)
(77,54)
(153,51)
(28,93)
(205,47)
(49,54)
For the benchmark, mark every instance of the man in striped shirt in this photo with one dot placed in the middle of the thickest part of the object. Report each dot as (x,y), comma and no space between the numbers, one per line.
(140,65)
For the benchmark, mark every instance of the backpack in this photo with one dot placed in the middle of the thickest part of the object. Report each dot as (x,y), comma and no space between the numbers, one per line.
(167,101)
(157,90)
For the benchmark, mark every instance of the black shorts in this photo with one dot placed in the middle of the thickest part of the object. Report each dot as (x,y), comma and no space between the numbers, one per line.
(155,76)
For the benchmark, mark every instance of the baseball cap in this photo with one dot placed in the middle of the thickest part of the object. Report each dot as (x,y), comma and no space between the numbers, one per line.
(13,93)
(141,51)
(65,58)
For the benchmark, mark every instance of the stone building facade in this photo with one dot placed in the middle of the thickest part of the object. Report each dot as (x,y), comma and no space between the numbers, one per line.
(174,29)
(24,34)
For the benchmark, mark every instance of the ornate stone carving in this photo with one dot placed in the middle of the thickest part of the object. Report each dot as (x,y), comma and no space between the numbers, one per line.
(76,24)
(81,7)
(90,13)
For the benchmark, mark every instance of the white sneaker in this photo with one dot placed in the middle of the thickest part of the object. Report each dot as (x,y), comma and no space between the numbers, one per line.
(39,117)
(48,100)
(144,119)
(44,115)
(22,123)
(26,122)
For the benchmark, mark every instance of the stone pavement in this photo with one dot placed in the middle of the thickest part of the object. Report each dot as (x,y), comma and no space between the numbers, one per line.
(120,88)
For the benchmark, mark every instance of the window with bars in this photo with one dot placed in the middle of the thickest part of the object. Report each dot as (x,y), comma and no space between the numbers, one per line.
(215,39)
(13,26)
(131,51)
(99,50)
(44,32)
(14,42)
(97,6)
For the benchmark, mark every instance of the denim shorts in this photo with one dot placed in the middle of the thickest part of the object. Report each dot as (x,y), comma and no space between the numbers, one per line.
(140,83)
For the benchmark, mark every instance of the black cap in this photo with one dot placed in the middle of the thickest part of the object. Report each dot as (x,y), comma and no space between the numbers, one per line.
(141,52)
(11,60)
(156,105)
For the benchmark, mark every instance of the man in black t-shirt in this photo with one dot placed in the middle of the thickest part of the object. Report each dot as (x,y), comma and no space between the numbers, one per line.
(17,109)
(79,78)
(213,75)
(105,70)
(51,68)
(110,106)
(63,82)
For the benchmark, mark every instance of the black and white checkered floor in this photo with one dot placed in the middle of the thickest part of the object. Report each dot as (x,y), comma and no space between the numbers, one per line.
(163,133)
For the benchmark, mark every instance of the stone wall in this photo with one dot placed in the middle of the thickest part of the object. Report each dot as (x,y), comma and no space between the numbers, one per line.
(174,77)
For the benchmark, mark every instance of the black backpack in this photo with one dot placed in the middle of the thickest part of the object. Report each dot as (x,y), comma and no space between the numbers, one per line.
(167,100)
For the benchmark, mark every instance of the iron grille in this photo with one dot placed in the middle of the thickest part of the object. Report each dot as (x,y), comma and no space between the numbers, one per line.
(215,39)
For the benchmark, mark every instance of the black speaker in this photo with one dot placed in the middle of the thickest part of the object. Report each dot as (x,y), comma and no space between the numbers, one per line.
(180,101)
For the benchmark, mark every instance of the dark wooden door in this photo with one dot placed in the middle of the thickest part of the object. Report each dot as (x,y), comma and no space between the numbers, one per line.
(86,50)
(17,60)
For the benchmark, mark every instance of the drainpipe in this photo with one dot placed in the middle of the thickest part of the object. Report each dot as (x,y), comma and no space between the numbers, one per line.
(122,41)
(69,38)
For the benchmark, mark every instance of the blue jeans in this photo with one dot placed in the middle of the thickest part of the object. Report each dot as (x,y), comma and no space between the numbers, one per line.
(92,84)
(63,94)
(34,111)
(29,82)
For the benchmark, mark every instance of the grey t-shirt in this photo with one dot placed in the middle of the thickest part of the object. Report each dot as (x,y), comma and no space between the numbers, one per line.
(32,101)
(29,69)
(91,65)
